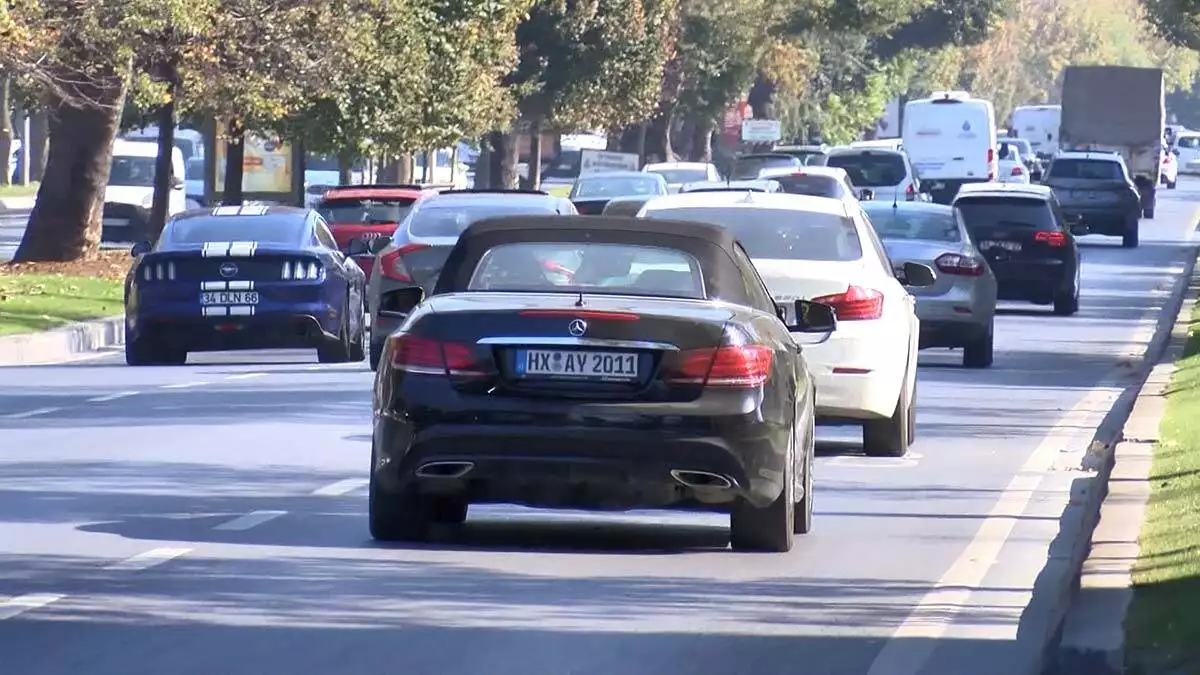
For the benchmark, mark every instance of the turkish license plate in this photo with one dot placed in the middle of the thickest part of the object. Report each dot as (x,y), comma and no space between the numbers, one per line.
(229,298)
(1002,245)
(577,364)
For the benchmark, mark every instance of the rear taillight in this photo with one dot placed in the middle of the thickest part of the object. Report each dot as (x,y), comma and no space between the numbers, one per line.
(962,265)
(391,264)
(158,271)
(1018,171)
(1051,238)
(742,366)
(910,192)
(301,270)
(425,356)
(856,304)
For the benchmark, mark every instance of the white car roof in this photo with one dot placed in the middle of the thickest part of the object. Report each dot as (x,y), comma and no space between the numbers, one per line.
(1004,190)
(1085,154)
(770,200)
(677,165)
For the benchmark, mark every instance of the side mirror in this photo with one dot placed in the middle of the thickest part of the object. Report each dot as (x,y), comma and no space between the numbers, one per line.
(1175,151)
(378,244)
(358,246)
(866,195)
(176,184)
(139,249)
(398,303)
(917,275)
(813,317)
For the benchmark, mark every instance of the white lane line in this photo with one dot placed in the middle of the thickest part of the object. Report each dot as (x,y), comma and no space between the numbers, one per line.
(24,603)
(112,397)
(912,644)
(245,376)
(249,520)
(148,559)
(31,413)
(341,487)
(184,385)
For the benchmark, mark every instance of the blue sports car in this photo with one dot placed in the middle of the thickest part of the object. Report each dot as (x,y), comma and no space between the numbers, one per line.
(243,277)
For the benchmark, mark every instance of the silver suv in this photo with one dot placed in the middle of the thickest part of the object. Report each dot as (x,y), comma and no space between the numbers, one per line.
(885,172)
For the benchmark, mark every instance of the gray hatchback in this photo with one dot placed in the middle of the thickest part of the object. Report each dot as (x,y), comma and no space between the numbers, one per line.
(959,309)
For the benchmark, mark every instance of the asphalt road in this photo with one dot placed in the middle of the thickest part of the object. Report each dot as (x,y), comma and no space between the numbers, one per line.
(211,519)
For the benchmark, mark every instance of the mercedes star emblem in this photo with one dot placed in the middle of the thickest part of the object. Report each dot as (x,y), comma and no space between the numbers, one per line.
(577,327)
(228,270)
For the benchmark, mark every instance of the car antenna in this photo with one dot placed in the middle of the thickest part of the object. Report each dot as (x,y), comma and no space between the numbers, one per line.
(579,302)
(895,199)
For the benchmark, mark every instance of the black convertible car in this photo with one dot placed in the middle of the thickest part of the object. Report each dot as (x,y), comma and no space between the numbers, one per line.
(647,367)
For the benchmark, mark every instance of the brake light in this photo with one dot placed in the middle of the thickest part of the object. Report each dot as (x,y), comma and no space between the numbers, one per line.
(1051,238)
(391,264)
(595,314)
(910,192)
(158,272)
(991,155)
(735,367)
(962,265)
(991,158)
(1017,171)
(856,304)
(425,356)
(301,270)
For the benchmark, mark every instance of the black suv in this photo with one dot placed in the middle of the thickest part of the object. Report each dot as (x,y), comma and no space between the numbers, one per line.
(1095,189)
(1025,238)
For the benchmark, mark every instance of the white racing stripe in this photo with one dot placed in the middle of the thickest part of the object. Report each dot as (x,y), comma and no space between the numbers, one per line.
(256,210)
(241,249)
(226,210)
(240,285)
(216,310)
(241,310)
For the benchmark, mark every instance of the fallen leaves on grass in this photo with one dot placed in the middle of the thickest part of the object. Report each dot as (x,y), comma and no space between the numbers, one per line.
(107,265)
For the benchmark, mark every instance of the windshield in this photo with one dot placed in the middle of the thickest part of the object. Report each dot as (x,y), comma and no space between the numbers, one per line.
(263,230)
(750,166)
(377,211)
(573,267)
(779,234)
(596,188)
(901,223)
(871,170)
(674,176)
(131,171)
(816,186)
(1010,211)
(1088,169)
(450,221)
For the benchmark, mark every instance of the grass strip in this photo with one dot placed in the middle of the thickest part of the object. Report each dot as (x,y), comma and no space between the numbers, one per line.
(35,302)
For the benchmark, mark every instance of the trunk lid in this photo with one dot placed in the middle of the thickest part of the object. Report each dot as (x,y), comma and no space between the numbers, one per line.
(790,280)
(927,253)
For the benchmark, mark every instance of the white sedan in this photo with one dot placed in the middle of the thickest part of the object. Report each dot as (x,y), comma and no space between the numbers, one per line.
(823,250)
(678,174)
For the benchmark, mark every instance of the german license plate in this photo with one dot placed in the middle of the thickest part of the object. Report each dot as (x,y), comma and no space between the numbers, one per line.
(1001,245)
(229,298)
(577,364)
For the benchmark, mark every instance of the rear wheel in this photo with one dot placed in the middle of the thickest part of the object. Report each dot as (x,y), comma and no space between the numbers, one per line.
(890,437)
(1148,213)
(1171,185)
(771,529)
(358,345)
(802,518)
(1130,238)
(337,351)
(1066,303)
(978,353)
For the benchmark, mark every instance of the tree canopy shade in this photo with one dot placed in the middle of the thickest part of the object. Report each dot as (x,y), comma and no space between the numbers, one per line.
(1176,20)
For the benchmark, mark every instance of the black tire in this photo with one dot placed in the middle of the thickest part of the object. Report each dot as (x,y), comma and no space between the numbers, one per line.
(358,345)
(148,352)
(978,353)
(1067,304)
(1171,185)
(1148,213)
(771,529)
(337,351)
(802,518)
(375,354)
(1130,238)
(890,437)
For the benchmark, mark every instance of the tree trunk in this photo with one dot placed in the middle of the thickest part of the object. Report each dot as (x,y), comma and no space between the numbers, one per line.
(640,142)
(658,135)
(504,159)
(535,156)
(404,168)
(6,129)
(390,170)
(66,220)
(235,156)
(702,141)
(483,164)
(39,137)
(430,173)
(345,169)
(163,167)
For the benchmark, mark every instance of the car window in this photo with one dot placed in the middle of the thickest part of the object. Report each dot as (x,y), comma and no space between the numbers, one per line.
(778,234)
(1012,211)
(324,236)
(374,211)
(443,220)
(749,168)
(591,188)
(128,171)
(1088,169)
(1188,142)
(259,229)
(895,223)
(681,175)
(756,290)
(870,170)
(597,268)
(816,186)
(881,255)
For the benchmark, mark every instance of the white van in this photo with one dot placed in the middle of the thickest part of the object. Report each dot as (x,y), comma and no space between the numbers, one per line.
(130,190)
(1188,145)
(1038,124)
(951,141)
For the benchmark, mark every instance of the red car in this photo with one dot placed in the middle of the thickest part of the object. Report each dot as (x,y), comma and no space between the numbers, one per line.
(367,212)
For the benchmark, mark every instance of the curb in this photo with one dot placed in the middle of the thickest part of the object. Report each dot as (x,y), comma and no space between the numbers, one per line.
(16,203)
(61,344)
(1061,655)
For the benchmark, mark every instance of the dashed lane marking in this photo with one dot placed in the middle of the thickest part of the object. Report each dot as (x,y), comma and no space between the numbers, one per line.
(24,603)
(148,559)
(341,487)
(245,376)
(112,397)
(249,520)
(184,385)
(31,413)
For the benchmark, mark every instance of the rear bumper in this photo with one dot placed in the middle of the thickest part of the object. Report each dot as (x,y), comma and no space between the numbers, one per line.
(1112,221)
(950,333)
(858,376)
(1034,280)
(276,330)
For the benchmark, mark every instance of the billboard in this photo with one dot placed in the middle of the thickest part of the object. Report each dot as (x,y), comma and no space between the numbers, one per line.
(267,165)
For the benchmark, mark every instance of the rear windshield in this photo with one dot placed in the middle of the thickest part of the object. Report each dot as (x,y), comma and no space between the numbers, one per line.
(1188,142)
(572,267)
(377,211)
(1015,211)
(779,234)
(450,221)
(749,167)
(896,223)
(598,188)
(128,171)
(1090,169)
(870,170)
(816,186)
(674,176)
(259,229)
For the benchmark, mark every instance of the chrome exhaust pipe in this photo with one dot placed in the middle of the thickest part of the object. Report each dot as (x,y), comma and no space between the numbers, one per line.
(444,469)
(701,479)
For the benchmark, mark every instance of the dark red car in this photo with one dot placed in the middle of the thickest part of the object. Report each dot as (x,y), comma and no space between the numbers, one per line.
(367,212)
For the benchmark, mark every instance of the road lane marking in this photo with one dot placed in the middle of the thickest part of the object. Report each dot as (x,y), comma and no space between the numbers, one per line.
(31,413)
(913,643)
(245,376)
(148,559)
(24,603)
(341,487)
(185,385)
(112,397)
(249,520)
